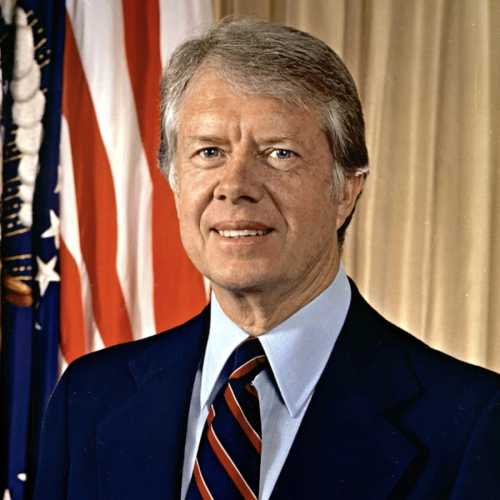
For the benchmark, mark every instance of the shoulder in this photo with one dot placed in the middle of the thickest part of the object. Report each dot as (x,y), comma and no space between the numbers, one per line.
(451,389)
(104,374)
(437,373)
(438,369)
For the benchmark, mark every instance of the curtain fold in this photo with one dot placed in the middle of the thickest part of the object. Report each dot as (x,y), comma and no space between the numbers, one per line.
(424,246)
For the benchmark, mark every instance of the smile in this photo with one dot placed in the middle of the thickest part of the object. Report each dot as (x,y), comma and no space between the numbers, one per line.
(242,233)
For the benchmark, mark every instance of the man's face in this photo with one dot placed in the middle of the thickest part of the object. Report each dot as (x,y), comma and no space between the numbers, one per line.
(254,190)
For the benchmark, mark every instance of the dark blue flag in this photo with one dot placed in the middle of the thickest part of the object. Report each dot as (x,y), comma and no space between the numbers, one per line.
(32,40)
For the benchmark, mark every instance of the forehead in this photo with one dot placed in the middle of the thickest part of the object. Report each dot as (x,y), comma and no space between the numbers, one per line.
(211,101)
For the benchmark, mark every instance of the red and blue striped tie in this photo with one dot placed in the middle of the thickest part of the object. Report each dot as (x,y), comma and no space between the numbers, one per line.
(227,465)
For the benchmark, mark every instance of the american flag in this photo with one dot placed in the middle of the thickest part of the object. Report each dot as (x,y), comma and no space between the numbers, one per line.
(97,257)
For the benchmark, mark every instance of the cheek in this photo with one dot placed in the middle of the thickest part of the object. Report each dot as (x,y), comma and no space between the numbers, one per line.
(311,209)
(195,194)
(188,213)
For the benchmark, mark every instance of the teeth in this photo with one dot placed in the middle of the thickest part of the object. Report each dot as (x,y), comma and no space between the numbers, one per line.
(241,233)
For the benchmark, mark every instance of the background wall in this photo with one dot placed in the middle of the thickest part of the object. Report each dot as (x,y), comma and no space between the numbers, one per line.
(424,246)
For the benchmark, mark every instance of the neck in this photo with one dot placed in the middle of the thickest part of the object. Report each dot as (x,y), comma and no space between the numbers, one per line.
(258,311)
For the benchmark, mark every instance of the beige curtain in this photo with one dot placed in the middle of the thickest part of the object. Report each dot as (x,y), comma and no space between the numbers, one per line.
(424,246)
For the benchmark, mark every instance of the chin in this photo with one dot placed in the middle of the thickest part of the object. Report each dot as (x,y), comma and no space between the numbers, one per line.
(241,283)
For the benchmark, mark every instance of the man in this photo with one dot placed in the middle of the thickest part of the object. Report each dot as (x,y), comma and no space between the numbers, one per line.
(289,386)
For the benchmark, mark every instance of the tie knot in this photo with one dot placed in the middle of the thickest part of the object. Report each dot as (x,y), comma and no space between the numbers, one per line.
(247,360)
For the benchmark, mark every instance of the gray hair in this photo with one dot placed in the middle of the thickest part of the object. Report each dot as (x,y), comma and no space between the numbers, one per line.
(277,61)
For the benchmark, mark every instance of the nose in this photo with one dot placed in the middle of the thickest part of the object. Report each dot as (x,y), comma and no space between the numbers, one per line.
(240,181)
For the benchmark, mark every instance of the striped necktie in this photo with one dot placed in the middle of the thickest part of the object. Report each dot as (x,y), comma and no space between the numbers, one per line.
(227,465)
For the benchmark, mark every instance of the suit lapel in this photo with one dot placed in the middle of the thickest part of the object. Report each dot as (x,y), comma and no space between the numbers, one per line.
(349,444)
(140,446)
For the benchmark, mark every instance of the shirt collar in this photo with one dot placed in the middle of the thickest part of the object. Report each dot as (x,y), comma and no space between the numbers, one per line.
(297,349)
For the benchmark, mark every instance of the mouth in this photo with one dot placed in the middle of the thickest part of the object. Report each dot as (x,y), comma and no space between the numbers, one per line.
(240,230)
(241,233)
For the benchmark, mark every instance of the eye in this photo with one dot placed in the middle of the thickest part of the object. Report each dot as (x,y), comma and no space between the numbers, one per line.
(281,154)
(210,152)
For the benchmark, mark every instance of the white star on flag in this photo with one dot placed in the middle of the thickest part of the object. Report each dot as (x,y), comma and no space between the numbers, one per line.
(53,230)
(46,273)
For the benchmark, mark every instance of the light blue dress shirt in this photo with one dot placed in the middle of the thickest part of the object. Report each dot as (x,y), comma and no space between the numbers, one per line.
(297,351)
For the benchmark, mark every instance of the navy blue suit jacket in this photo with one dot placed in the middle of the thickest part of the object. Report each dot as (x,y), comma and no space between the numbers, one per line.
(390,419)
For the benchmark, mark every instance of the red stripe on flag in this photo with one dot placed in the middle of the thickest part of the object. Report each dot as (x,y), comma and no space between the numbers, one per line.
(95,198)
(178,288)
(73,338)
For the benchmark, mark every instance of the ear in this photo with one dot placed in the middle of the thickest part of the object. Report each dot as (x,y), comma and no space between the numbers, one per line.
(353,186)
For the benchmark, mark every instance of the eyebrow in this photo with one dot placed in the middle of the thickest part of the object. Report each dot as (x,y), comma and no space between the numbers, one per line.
(212,139)
(208,139)
(218,139)
(280,138)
